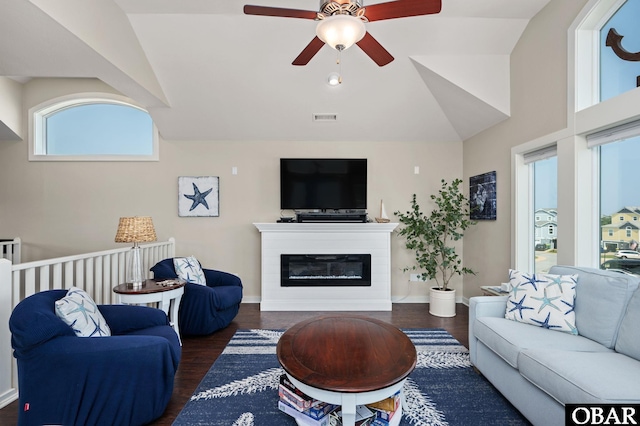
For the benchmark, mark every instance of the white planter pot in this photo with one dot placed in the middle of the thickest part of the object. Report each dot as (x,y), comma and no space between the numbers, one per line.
(442,303)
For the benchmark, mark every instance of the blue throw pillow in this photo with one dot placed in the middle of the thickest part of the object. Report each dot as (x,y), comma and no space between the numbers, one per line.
(164,270)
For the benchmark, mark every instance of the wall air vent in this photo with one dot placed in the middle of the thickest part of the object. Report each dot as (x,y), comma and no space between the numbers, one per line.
(325,117)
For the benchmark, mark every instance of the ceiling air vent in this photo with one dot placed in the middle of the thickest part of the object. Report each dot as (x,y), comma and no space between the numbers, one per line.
(325,117)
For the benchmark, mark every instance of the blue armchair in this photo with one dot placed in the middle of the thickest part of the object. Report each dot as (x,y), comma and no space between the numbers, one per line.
(204,309)
(124,379)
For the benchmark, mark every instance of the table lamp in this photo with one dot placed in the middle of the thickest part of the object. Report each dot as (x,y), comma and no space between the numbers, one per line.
(137,229)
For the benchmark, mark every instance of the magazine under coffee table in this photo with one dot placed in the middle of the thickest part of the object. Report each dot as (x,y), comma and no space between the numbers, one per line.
(347,360)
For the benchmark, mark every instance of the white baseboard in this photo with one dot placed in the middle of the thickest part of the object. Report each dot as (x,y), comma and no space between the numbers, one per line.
(407,299)
(8,397)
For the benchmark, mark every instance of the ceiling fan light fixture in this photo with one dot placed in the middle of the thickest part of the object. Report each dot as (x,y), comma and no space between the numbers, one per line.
(334,79)
(341,31)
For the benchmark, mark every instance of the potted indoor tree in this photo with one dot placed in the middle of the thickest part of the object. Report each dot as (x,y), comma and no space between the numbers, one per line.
(431,237)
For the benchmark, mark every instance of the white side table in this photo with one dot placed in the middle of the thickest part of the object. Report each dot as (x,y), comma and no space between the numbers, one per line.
(167,297)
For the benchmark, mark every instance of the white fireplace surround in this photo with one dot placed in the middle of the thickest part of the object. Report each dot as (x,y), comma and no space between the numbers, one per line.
(326,238)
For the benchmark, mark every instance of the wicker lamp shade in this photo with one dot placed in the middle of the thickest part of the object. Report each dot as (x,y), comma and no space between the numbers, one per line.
(137,229)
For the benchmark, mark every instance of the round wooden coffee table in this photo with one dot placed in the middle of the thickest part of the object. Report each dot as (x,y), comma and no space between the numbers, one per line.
(347,360)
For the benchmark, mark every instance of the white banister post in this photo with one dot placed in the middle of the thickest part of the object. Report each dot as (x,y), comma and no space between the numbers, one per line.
(17,253)
(7,391)
(172,247)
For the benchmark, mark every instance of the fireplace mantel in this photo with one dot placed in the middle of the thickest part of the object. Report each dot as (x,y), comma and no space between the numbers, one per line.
(326,238)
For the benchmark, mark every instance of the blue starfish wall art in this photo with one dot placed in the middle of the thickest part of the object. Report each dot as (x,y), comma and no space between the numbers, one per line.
(198,196)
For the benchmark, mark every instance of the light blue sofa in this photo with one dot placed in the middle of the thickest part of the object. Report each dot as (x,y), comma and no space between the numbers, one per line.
(540,370)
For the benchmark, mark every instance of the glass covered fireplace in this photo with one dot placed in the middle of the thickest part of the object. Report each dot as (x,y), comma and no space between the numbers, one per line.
(316,270)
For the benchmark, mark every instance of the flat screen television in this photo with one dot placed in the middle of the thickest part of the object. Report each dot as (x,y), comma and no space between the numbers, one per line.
(323,183)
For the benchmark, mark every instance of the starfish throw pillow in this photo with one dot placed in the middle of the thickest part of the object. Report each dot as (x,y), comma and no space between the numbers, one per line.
(78,310)
(189,269)
(544,300)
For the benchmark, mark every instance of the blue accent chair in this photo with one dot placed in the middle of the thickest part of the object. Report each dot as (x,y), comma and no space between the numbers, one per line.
(124,379)
(204,309)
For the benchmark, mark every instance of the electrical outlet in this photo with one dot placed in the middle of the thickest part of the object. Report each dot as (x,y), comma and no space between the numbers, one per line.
(415,277)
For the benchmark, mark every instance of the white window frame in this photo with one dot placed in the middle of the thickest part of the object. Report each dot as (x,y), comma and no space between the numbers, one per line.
(587,48)
(39,113)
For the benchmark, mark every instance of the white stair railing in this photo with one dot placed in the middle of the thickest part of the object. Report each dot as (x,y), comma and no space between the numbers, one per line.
(96,273)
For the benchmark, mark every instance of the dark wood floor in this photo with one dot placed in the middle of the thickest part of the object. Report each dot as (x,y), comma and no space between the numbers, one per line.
(198,353)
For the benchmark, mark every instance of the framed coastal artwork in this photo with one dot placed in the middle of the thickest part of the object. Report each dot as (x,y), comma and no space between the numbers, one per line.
(198,196)
(482,196)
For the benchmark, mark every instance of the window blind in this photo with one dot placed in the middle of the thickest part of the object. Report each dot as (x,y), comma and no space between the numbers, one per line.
(540,154)
(613,134)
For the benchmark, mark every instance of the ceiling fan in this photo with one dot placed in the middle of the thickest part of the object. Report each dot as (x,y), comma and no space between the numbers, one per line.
(341,23)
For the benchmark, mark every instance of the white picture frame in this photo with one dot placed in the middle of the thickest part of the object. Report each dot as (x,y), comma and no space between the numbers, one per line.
(198,196)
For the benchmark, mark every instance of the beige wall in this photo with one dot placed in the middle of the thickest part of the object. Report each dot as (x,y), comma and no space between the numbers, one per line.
(538,108)
(61,208)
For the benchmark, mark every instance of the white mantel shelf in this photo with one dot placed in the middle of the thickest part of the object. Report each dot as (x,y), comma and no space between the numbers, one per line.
(327,227)
(326,238)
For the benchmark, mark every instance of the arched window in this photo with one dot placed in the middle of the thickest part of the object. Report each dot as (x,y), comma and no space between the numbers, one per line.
(603,68)
(620,52)
(96,127)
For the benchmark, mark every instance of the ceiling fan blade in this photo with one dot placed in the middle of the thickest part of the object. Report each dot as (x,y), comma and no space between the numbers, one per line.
(308,52)
(371,47)
(402,9)
(279,11)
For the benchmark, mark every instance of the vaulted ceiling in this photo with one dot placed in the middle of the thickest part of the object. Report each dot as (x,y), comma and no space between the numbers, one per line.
(206,71)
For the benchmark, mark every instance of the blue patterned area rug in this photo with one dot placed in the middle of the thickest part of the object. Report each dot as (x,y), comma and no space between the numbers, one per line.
(241,388)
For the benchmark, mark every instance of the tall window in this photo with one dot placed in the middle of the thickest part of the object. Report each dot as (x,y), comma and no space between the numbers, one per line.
(545,190)
(618,151)
(94,128)
(536,200)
